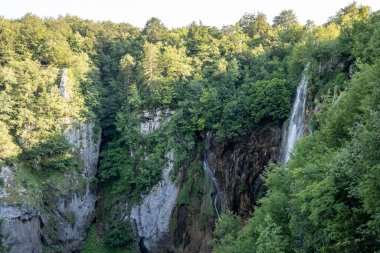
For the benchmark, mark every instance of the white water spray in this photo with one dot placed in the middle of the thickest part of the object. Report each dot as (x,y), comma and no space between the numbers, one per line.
(297,119)
(217,197)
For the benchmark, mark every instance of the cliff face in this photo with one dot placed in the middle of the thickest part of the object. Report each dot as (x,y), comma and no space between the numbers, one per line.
(150,218)
(51,212)
(69,215)
(20,229)
(59,217)
(237,164)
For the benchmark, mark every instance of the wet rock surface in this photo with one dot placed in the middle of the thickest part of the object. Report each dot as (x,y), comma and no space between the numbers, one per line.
(238,165)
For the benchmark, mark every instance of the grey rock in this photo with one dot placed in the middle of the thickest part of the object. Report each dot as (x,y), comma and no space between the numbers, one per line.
(63,85)
(20,229)
(151,218)
(80,205)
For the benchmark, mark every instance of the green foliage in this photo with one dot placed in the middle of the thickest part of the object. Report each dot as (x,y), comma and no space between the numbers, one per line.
(225,80)
(69,216)
(8,148)
(120,236)
(270,238)
(226,230)
(286,19)
(154,30)
(193,185)
(137,172)
(350,14)
(54,154)
(95,244)
(256,26)
(326,200)
(269,100)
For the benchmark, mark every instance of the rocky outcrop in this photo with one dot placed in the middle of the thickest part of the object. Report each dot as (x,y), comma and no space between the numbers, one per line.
(20,229)
(53,211)
(7,175)
(63,85)
(71,214)
(59,216)
(193,226)
(20,224)
(68,214)
(151,218)
(238,164)
(152,120)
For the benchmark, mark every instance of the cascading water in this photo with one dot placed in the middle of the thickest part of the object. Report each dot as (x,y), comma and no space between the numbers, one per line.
(297,119)
(217,196)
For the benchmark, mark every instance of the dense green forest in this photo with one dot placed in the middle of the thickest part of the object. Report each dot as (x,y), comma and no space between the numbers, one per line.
(227,81)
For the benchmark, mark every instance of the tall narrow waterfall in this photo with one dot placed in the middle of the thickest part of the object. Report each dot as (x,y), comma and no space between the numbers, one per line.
(217,196)
(297,120)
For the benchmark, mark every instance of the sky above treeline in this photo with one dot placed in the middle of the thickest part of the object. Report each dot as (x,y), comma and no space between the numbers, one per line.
(176,13)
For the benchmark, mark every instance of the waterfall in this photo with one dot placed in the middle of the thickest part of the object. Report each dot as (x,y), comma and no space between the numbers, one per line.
(217,196)
(297,119)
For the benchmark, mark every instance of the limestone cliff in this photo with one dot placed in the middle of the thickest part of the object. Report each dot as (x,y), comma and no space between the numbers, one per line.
(58,216)
(51,212)
(150,218)
(69,215)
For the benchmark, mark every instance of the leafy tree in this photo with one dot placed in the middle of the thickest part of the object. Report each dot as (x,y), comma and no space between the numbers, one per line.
(8,148)
(270,238)
(269,100)
(127,66)
(150,62)
(54,154)
(286,20)
(134,99)
(350,14)
(226,230)
(120,236)
(255,25)
(154,30)
(175,63)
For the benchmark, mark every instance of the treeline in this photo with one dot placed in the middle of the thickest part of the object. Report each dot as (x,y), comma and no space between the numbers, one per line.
(327,198)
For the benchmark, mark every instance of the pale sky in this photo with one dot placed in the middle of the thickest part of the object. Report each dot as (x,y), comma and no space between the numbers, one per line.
(176,13)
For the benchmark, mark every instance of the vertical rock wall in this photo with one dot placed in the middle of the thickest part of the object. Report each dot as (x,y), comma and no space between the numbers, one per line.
(238,164)
(56,216)
(151,218)
(73,213)
(20,229)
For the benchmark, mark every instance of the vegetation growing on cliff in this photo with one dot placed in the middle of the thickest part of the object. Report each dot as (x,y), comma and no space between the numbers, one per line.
(229,81)
(327,200)
(48,83)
